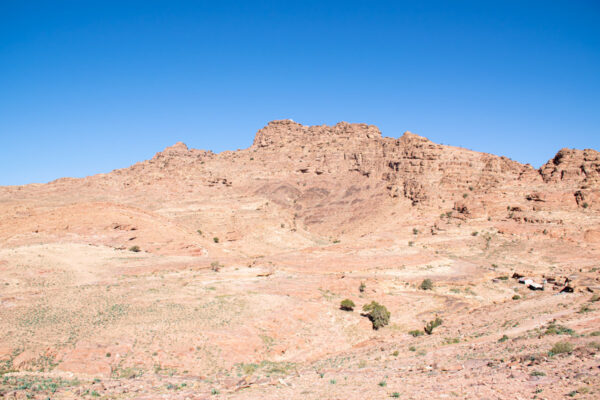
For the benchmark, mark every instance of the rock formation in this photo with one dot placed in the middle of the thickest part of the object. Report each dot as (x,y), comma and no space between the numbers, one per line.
(193,274)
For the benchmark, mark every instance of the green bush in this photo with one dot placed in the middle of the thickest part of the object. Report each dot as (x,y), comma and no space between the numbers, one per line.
(416,333)
(216,239)
(427,284)
(561,347)
(431,325)
(347,305)
(135,249)
(377,314)
(362,287)
(553,329)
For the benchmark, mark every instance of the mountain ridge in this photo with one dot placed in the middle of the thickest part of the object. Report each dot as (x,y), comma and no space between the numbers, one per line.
(214,265)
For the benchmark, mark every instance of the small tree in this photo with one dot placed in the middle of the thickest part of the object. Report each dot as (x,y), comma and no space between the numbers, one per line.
(431,325)
(347,305)
(362,287)
(377,314)
(216,239)
(216,266)
(427,284)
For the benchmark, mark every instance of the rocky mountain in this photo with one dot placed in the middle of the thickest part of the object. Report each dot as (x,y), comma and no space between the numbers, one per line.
(335,180)
(195,274)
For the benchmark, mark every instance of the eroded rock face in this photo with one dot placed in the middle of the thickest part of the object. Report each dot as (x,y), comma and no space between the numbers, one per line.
(344,156)
(349,179)
(573,166)
(285,133)
(412,167)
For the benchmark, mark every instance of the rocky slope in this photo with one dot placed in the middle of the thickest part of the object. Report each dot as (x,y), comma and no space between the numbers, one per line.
(344,180)
(196,275)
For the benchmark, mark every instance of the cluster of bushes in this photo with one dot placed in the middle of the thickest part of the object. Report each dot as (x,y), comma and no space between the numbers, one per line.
(378,314)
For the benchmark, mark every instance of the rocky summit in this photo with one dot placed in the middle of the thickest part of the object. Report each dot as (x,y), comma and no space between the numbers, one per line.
(197,275)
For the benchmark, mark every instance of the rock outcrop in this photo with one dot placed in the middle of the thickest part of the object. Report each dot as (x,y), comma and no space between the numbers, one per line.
(574,167)
(349,179)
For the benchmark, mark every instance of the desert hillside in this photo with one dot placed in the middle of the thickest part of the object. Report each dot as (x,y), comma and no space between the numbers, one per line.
(197,275)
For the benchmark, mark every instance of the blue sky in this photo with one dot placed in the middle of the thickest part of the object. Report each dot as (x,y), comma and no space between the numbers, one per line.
(87,87)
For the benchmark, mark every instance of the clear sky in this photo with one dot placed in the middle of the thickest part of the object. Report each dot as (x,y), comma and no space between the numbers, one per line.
(90,86)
